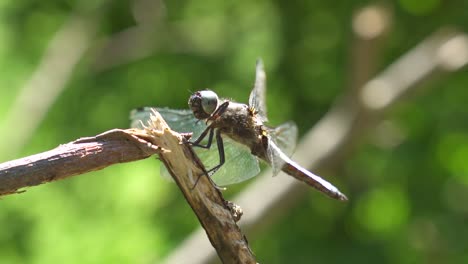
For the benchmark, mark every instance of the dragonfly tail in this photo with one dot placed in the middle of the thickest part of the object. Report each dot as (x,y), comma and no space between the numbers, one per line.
(313,180)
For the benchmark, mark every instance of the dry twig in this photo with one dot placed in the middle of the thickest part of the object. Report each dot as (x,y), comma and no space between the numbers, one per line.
(78,157)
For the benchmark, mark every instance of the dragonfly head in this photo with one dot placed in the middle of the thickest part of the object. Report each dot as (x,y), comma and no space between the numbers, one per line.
(203,103)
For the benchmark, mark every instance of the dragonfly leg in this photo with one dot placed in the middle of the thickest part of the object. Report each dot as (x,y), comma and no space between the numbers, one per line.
(219,140)
(196,143)
(219,111)
(222,158)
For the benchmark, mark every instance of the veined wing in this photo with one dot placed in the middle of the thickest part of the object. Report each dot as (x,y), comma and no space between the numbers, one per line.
(240,164)
(257,98)
(284,139)
(181,121)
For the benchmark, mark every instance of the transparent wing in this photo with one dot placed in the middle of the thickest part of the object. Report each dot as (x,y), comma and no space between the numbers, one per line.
(181,121)
(277,157)
(140,116)
(285,137)
(282,144)
(257,98)
(240,164)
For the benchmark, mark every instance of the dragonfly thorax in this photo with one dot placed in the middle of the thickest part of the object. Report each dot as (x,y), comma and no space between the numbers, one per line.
(239,123)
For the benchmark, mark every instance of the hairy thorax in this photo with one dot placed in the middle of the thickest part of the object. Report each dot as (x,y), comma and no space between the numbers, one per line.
(240,123)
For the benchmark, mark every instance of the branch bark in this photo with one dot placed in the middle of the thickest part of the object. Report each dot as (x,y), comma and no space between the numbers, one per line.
(77,157)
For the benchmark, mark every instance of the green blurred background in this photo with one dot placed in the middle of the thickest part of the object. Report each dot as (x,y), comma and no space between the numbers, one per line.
(408,201)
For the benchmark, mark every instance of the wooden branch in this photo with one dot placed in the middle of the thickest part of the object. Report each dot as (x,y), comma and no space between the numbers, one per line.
(77,157)
(217,216)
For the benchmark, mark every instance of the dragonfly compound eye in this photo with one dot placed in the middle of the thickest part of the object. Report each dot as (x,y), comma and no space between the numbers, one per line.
(203,103)
(209,101)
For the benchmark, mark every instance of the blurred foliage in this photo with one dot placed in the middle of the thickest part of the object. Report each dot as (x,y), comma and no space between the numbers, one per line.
(408,202)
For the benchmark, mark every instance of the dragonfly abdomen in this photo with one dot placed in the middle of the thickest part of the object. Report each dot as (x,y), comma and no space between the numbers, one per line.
(298,172)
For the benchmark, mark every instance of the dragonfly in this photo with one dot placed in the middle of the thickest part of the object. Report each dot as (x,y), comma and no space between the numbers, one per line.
(241,136)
